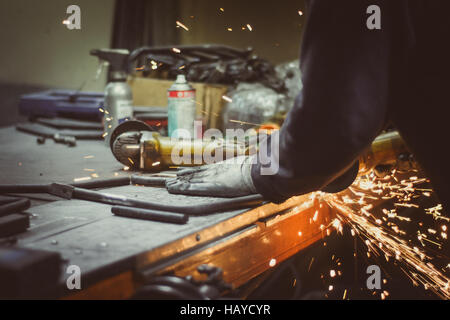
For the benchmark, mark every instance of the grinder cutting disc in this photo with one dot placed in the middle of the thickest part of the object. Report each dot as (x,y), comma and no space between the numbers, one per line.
(126,134)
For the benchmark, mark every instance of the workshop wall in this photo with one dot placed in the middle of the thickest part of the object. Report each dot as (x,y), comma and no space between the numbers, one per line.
(276,25)
(39,52)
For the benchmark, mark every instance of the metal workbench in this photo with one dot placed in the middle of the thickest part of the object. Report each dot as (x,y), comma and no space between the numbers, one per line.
(116,252)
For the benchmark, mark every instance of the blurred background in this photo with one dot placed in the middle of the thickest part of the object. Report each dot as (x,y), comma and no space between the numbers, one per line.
(39,52)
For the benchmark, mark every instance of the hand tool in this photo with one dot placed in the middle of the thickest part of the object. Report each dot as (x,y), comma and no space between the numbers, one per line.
(386,149)
(48,188)
(70,192)
(138,146)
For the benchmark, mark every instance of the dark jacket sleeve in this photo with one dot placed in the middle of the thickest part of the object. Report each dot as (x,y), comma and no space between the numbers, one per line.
(343,104)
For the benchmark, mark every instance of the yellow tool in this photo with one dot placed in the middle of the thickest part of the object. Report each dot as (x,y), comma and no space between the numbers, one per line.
(384,151)
(134,144)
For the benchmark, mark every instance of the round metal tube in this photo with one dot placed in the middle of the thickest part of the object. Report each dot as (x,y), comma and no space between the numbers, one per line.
(151,215)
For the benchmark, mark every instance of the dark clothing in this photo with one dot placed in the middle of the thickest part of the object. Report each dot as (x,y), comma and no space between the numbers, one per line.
(354,81)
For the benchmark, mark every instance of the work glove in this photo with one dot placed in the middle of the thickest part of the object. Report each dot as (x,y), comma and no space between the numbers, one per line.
(229,178)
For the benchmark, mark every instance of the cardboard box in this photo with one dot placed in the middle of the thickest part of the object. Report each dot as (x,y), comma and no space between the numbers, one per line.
(153,92)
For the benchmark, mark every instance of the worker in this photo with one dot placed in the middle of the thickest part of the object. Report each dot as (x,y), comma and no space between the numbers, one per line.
(358,75)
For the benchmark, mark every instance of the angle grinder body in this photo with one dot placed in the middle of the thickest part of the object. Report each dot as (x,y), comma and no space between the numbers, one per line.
(138,146)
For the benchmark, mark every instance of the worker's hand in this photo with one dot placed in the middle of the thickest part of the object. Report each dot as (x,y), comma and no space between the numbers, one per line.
(230,178)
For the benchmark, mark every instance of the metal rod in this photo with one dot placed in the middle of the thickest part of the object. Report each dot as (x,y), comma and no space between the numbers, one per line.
(152,215)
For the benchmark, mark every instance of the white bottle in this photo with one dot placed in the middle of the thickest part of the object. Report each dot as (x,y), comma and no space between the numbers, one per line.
(181,107)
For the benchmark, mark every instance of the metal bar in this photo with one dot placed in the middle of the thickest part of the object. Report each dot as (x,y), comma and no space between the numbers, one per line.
(151,215)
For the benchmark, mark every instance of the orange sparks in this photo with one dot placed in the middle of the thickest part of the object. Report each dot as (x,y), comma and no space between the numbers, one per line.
(179,24)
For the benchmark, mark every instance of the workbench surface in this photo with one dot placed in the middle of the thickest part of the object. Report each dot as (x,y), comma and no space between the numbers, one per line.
(87,234)
(243,242)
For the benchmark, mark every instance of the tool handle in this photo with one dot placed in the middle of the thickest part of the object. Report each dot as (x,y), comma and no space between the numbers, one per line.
(152,215)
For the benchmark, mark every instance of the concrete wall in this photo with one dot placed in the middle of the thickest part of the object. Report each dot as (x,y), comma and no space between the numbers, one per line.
(38,50)
(276,25)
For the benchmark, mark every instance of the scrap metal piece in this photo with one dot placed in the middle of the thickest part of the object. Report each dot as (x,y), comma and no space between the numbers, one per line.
(136,145)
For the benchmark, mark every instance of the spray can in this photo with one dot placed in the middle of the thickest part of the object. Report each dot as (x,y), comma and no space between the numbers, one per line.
(118,104)
(181,107)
